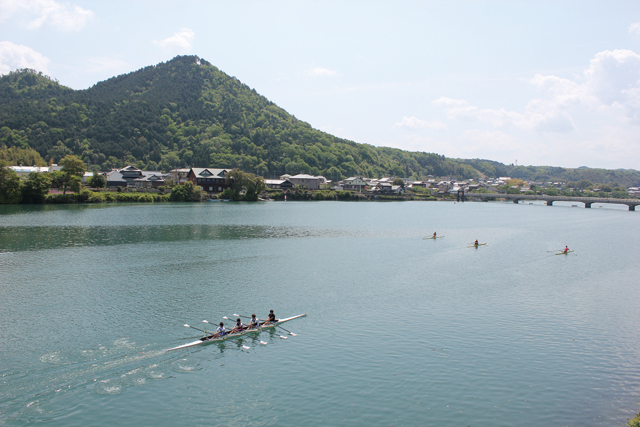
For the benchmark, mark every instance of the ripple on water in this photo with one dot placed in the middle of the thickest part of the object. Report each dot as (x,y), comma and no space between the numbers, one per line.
(53,358)
(109,387)
(182,365)
(155,372)
(134,378)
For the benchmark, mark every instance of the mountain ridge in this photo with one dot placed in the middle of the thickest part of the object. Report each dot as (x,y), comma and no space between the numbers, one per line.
(187,112)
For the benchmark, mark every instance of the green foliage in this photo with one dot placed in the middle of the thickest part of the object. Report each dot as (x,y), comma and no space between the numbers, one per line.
(582,177)
(97,181)
(245,186)
(634,422)
(398,181)
(9,185)
(188,112)
(36,187)
(186,193)
(72,170)
(18,156)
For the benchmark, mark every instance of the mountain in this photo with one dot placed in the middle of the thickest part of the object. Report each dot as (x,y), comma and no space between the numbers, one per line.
(186,112)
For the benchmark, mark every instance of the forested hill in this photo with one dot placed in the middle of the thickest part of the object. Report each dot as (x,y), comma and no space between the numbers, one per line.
(186,112)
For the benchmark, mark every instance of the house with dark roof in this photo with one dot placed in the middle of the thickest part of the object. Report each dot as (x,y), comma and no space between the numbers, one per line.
(209,179)
(278,184)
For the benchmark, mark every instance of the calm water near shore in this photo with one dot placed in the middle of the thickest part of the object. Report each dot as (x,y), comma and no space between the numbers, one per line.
(400,331)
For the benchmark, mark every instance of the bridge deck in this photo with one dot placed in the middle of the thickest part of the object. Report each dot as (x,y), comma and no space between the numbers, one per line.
(588,201)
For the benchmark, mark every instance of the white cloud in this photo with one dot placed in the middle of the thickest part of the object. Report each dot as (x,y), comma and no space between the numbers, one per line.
(319,71)
(35,14)
(105,65)
(592,119)
(13,56)
(634,29)
(415,123)
(183,39)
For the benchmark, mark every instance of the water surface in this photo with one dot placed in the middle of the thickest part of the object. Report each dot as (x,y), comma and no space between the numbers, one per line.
(400,331)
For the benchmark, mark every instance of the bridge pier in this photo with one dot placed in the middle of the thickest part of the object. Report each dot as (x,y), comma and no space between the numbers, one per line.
(632,207)
(549,202)
(515,201)
(587,205)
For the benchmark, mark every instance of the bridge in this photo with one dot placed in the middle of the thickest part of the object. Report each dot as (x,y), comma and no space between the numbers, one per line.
(588,201)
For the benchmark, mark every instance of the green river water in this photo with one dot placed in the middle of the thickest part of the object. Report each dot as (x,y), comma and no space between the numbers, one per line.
(400,331)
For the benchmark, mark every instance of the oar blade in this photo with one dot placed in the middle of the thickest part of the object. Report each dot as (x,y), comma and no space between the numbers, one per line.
(186,326)
(283,337)
(246,347)
(264,342)
(292,334)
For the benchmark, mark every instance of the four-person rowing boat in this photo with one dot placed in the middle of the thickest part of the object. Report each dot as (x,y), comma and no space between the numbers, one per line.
(210,338)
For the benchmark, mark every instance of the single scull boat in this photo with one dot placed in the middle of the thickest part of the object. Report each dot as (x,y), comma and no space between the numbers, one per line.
(564,252)
(210,339)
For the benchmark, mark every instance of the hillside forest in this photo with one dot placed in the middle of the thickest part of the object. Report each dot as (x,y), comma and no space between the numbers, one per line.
(187,113)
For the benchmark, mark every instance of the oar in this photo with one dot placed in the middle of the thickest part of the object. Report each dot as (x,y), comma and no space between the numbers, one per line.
(237,315)
(201,330)
(277,326)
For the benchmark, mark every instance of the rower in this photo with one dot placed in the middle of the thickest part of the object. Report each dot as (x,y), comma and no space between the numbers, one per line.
(271,318)
(434,234)
(476,243)
(221,331)
(566,249)
(238,327)
(254,322)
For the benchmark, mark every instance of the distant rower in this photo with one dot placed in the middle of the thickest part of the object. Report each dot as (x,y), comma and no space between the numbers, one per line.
(476,243)
(434,234)
(566,249)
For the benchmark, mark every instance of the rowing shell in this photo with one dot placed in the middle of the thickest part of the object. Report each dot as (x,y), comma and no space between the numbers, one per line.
(479,244)
(564,253)
(433,238)
(208,339)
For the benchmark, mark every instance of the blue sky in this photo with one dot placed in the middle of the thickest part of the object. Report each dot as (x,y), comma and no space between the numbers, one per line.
(537,82)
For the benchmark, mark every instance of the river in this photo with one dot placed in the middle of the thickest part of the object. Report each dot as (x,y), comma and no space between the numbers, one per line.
(400,331)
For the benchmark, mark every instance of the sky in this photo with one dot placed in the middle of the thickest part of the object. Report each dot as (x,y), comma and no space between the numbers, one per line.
(527,82)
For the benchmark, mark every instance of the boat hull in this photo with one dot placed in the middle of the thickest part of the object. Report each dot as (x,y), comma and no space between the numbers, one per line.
(564,253)
(207,340)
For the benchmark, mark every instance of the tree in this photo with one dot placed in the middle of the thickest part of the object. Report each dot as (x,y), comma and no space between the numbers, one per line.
(97,181)
(247,182)
(9,185)
(36,187)
(186,193)
(398,181)
(72,167)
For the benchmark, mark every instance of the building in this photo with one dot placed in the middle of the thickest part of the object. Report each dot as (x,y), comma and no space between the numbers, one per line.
(354,183)
(24,171)
(209,179)
(308,181)
(179,176)
(278,184)
(150,180)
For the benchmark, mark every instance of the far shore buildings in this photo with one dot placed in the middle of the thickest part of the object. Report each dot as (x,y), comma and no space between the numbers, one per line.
(308,181)
(209,179)
(131,176)
(23,171)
